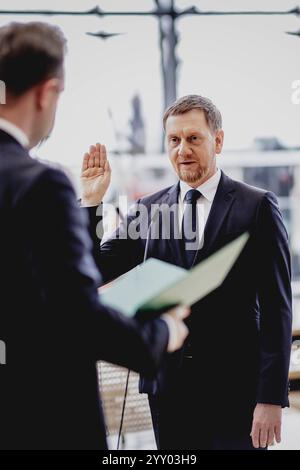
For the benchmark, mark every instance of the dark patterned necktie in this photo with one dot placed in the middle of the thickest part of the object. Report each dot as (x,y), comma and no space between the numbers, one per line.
(190,226)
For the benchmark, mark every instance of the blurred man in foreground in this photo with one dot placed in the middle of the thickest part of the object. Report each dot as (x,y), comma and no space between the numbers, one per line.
(52,323)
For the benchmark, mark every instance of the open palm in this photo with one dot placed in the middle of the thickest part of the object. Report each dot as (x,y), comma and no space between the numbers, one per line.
(95,175)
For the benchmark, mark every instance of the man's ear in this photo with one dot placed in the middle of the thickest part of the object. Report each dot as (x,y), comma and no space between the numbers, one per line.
(45,92)
(219,139)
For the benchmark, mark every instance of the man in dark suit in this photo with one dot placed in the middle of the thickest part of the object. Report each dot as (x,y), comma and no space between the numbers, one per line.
(52,324)
(225,389)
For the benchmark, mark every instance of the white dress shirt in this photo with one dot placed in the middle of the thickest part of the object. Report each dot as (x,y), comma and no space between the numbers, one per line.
(15,132)
(204,203)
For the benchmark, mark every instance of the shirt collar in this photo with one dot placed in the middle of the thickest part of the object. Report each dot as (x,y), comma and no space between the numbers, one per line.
(14,132)
(207,189)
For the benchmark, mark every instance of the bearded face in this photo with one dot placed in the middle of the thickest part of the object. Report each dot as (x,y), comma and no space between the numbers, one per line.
(192,146)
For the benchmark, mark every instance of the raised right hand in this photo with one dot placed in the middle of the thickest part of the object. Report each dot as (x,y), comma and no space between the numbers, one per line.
(95,175)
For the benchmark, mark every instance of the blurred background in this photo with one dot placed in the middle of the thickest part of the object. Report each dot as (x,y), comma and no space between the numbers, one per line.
(127,60)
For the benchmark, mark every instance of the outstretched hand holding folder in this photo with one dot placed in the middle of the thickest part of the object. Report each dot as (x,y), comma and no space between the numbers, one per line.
(155,285)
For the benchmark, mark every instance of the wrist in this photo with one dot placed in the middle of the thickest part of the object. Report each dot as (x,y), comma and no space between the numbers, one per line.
(90,202)
(268,404)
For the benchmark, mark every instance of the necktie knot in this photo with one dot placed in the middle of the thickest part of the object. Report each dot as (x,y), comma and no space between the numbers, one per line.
(192,196)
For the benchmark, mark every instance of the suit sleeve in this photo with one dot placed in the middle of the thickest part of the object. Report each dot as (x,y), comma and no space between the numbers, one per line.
(118,254)
(61,254)
(275,299)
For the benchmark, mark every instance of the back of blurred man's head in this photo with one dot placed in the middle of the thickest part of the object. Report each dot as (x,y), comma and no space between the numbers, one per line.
(31,67)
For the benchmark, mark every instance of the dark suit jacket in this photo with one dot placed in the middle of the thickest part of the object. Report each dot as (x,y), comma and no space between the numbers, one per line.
(51,320)
(240,333)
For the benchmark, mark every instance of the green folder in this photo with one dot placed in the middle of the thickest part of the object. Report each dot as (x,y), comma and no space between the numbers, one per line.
(155,285)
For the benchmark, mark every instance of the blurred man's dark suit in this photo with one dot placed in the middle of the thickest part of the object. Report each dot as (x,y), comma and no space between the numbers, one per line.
(240,334)
(51,320)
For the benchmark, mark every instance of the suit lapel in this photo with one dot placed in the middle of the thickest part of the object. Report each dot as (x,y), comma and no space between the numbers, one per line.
(222,203)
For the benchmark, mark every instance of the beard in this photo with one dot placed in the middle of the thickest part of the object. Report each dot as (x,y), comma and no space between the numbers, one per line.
(191,176)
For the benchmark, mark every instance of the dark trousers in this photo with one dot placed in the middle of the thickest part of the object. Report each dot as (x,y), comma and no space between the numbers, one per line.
(184,420)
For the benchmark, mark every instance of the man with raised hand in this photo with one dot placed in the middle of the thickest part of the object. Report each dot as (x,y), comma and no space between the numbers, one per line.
(226,387)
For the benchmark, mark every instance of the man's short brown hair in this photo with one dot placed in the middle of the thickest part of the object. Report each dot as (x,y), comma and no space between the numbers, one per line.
(29,54)
(189,102)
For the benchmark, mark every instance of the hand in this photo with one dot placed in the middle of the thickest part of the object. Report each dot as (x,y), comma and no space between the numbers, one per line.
(266,425)
(177,328)
(95,175)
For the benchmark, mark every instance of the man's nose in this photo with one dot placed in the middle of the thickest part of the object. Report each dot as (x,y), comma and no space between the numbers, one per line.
(184,149)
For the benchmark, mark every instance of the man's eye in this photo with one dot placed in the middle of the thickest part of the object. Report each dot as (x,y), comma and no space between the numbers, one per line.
(174,140)
(194,138)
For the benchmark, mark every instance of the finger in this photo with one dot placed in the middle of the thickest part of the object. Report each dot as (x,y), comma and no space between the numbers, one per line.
(263,438)
(85,162)
(183,331)
(178,336)
(91,162)
(97,155)
(255,435)
(103,155)
(182,312)
(270,441)
(278,432)
(178,313)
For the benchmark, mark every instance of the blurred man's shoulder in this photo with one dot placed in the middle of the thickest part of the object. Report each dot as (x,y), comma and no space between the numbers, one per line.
(35,176)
